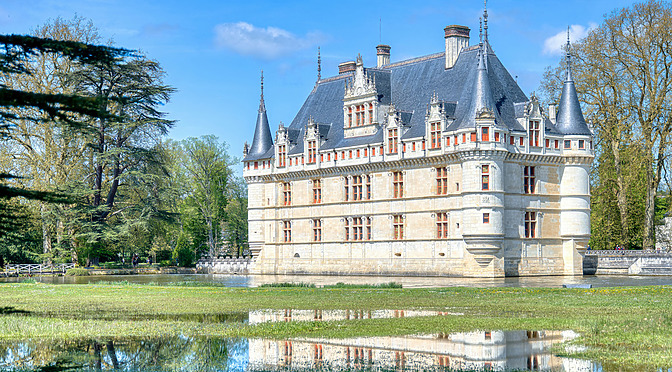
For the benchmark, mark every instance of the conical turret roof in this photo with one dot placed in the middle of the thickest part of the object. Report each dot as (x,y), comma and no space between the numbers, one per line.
(570,119)
(263,141)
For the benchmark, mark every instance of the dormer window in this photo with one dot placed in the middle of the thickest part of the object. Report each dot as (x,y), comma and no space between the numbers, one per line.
(282,155)
(392,139)
(534,133)
(312,152)
(435,135)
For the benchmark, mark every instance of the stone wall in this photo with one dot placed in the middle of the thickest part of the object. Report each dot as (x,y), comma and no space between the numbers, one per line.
(628,263)
(224,266)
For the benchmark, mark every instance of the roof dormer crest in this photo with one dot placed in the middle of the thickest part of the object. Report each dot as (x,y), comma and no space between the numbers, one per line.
(361,84)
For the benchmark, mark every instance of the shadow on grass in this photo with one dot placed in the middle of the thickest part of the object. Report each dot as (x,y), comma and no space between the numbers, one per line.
(12,310)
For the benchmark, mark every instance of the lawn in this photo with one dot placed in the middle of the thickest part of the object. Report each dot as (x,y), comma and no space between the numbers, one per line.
(622,326)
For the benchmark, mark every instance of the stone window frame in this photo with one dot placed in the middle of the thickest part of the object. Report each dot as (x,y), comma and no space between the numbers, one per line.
(442,225)
(286,193)
(530,224)
(398,227)
(441,181)
(317,230)
(529,179)
(317,191)
(397,184)
(287,231)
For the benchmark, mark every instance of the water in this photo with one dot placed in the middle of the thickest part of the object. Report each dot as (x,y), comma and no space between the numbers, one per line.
(480,350)
(406,281)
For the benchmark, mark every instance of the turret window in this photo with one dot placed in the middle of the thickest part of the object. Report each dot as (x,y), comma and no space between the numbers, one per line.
(534,133)
(582,144)
(485,177)
(568,144)
(435,134)
(485,134)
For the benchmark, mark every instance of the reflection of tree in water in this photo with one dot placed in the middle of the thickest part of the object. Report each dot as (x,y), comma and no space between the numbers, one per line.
(172,354)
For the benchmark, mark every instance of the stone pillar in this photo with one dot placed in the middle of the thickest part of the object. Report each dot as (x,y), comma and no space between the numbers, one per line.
(383,52)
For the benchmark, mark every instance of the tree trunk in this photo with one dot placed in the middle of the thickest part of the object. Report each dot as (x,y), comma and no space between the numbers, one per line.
(211,239)
(46,237)
(621,195)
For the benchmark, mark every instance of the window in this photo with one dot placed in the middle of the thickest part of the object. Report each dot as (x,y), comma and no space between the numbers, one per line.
(373,151)
(287,231)
(464,137)
(282,155)
(485,177)
(568,144)
(528,179)
(485,134)
(522,142)
(370,113)
(347,229)
(442,225)
(496,136)
(530,224)
(317,230)
(486,217)
(317,191)
(397,185)
(582,144)
(350,154)
(473,137)
(287,193)
(447,141)
(256,165)
(321,158)
(356,187)
(442,181)
(534,133)
(329,157)
(511,140)
(368,228)
(346,188)
(368,187)
(435,134)
(413,146)
(548,143)
(556,144)
(312,152)
(392,137)
(349,116)
(398,227)
(358,228)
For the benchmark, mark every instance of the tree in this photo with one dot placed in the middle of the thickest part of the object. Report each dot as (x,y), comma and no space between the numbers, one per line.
(47,154)
(122,146)
(54,107)
(623,78)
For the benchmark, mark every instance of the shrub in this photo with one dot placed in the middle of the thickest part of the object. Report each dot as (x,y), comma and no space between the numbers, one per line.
(78,271)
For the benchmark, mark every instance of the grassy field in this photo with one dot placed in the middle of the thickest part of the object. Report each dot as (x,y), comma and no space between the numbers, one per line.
(622,326)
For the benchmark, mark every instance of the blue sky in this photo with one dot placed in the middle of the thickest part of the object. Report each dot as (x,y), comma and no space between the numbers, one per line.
(213,50)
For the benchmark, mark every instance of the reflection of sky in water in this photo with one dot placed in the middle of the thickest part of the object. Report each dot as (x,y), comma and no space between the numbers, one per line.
(407,282)
(496,350)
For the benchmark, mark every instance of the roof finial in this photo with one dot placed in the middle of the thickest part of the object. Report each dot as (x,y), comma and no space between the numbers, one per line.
(319,65)
(480,30)
(485,20)
(262,106)
(569,58)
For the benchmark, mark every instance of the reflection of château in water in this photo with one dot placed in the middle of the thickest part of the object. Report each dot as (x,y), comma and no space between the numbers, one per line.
(293,315)
(481,350)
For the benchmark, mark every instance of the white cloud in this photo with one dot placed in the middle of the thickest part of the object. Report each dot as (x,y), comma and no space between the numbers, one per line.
(554,44)
(269,42)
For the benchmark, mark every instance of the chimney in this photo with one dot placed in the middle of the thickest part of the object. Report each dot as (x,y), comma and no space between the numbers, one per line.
(551,113)
(346,67)
(457,38)
(383,52)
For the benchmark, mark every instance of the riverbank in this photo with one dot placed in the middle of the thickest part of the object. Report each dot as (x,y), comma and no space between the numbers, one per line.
(628,326)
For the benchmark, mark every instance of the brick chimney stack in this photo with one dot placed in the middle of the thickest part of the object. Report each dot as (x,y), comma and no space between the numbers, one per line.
(383,52)
(457,38)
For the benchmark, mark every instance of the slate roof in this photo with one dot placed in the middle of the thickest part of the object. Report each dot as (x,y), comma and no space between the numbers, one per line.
(409,85)
(262,145)
(570,118)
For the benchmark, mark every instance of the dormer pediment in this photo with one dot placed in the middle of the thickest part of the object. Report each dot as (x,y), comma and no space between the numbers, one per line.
(361,85)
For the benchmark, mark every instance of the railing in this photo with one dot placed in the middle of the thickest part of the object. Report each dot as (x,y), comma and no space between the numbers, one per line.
(627,253)
(37,269)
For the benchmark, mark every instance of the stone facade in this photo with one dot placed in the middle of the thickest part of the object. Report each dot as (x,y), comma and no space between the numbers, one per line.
(480,182)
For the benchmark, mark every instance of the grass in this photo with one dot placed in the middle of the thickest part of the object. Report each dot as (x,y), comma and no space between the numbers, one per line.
(622,326)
